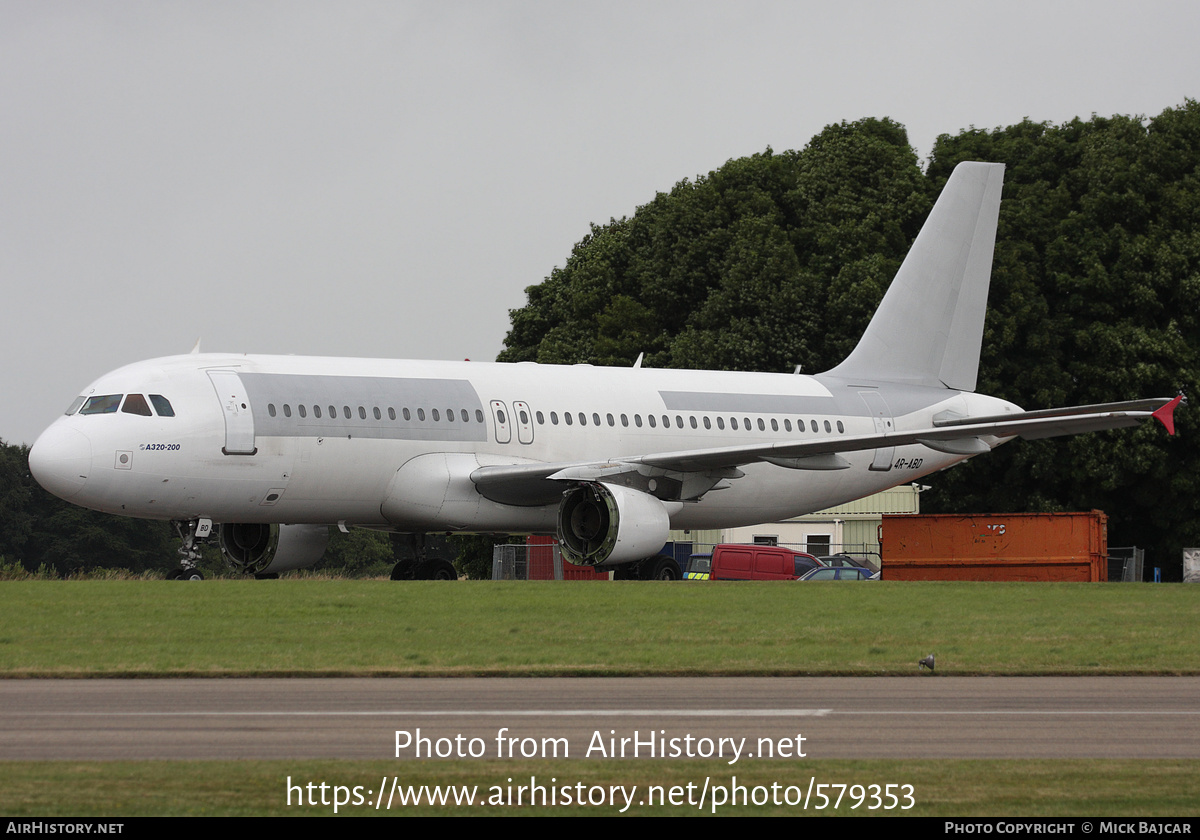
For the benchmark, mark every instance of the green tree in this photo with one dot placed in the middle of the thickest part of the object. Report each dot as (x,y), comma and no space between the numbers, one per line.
(739,269)
(1094,298)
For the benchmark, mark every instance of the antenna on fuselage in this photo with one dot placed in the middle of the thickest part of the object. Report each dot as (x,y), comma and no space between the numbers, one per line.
(638,363)
(195,348)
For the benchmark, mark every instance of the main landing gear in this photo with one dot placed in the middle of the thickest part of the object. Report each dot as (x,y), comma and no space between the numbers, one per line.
(658,567)
(421,568)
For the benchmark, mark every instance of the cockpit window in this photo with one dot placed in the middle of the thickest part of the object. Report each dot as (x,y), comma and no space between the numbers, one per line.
(162,405)
(106,404)
(74,406)
(136,404)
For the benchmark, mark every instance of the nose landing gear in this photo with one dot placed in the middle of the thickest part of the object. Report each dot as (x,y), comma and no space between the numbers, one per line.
(192,532)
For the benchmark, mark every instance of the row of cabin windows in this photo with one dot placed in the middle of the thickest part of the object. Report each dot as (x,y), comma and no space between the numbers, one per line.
(348,414)
(132,404)
(652,421)
(567,418)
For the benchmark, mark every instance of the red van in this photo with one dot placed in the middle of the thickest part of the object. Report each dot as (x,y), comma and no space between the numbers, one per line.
(759,562)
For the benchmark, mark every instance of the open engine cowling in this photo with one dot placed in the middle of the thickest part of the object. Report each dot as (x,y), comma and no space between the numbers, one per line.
(606,524)
(257,549)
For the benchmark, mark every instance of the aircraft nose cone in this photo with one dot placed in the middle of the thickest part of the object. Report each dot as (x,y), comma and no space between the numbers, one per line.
(60,460)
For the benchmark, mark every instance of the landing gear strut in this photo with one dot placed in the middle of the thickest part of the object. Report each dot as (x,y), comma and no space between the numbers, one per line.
(192,532)
(419,567)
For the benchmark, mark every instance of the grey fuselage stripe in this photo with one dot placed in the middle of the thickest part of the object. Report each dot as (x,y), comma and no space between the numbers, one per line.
(753,403)
(368,392)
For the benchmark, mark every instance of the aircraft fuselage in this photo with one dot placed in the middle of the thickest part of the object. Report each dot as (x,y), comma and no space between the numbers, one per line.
(392,444)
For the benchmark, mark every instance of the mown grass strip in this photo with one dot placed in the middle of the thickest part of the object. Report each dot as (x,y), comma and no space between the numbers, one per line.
(1010,788)
(365,628)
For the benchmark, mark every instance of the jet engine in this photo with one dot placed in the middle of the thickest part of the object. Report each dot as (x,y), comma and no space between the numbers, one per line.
(266,549)
(606,524)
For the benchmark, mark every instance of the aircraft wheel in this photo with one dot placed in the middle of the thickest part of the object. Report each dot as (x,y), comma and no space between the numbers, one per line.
(442,570)
(190,574)
(628,571)
(174,574)
(664,568)
(267,576)
(403,570)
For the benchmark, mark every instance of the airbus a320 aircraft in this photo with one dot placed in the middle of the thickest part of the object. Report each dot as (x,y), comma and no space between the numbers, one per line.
(277,449)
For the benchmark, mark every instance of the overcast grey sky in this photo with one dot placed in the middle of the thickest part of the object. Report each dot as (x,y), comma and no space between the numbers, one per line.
(386,178)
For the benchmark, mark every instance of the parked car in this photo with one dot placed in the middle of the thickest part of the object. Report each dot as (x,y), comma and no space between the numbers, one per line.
(759,562)
(698,567)
(842,560)
(839,573)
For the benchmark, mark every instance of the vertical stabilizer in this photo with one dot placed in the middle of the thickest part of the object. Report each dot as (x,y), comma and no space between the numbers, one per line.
(929,326)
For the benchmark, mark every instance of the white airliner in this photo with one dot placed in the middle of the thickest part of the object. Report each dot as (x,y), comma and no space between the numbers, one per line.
(277,449)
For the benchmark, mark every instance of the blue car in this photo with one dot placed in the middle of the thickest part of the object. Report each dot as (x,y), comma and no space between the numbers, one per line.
(838,573)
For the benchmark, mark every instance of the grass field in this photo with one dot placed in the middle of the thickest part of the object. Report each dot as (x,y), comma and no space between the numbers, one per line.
(939,788)
(376,628)
(371,628)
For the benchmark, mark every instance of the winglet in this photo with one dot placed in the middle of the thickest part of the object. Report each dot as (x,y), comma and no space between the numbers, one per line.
(1166,414)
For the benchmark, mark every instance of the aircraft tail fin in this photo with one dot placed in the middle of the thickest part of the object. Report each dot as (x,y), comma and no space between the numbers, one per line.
(929,326)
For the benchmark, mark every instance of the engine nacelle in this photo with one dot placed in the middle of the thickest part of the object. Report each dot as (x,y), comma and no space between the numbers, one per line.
(606,524)
(257,549)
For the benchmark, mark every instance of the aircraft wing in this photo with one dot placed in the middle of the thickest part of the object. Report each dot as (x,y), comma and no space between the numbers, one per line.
(540,483)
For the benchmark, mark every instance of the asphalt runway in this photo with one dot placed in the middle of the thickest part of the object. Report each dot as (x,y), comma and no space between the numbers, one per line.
(846,717)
